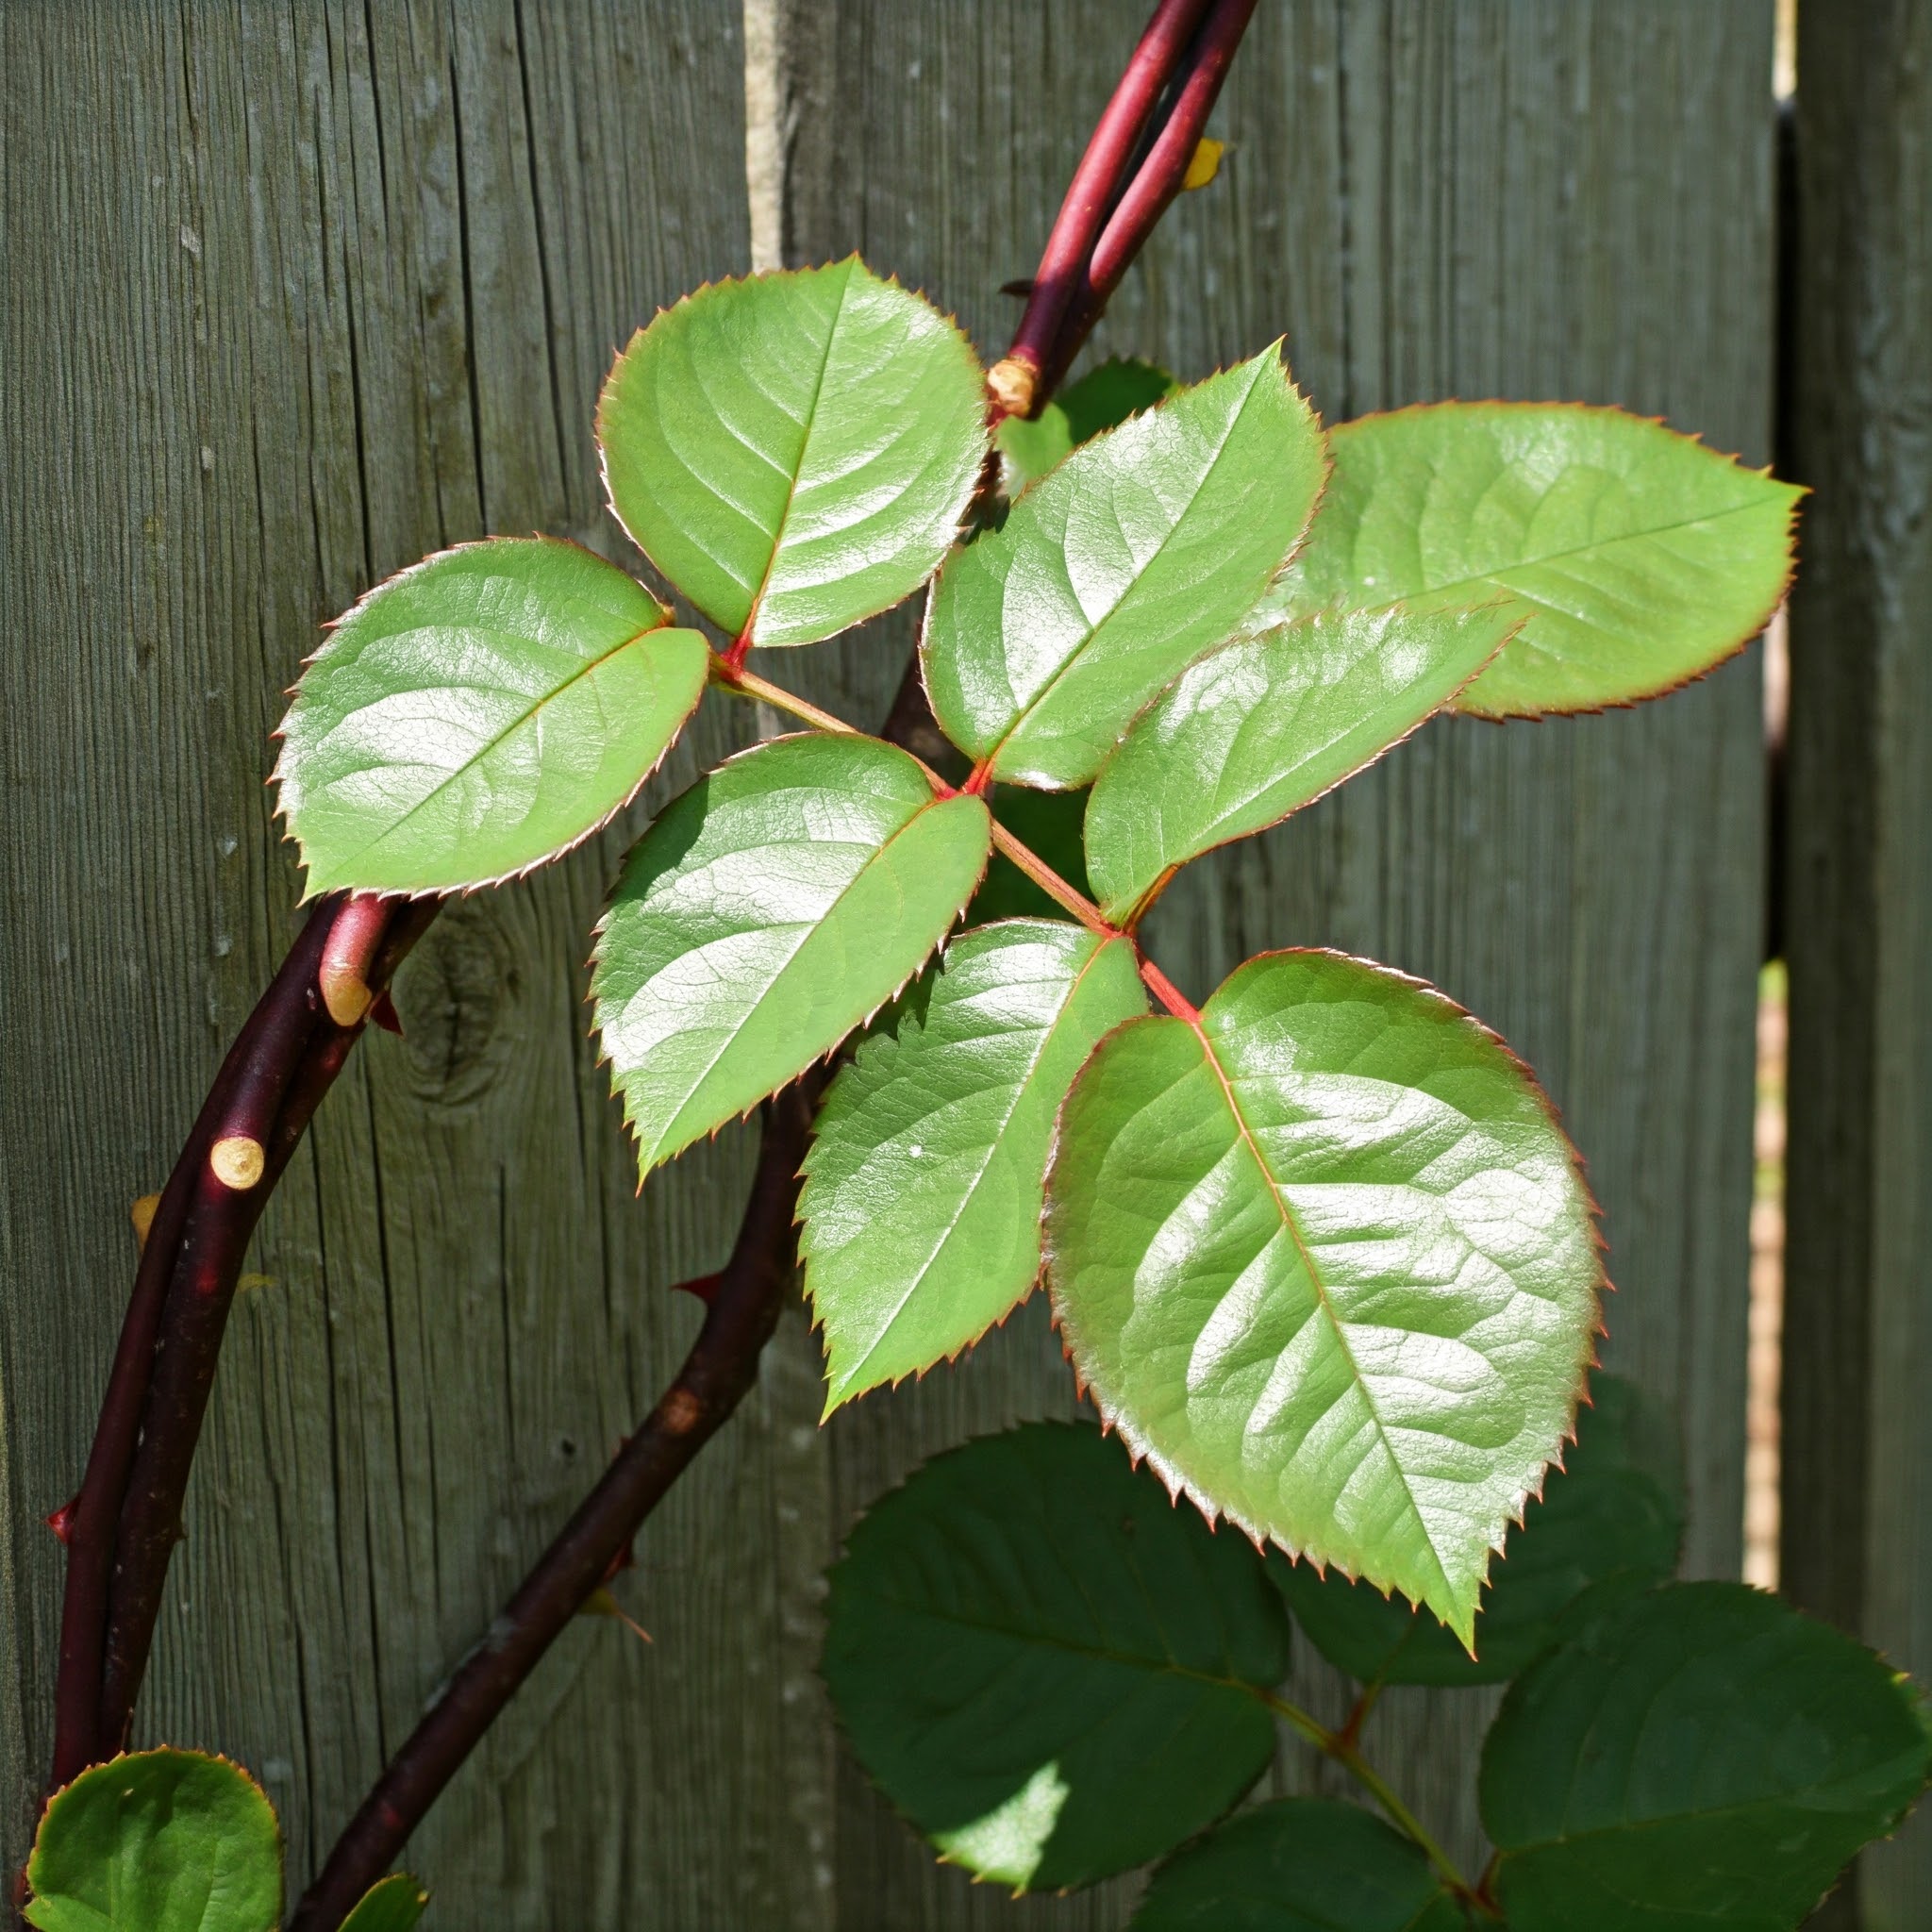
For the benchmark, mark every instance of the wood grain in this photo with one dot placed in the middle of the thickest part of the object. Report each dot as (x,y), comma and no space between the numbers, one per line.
(1856,1450)
(294,294)
(1532,200)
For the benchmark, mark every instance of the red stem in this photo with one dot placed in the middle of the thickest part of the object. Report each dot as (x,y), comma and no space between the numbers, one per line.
(716,1375)
(301,1053)
(266,1089)
(94,1510)
(1095,184)
(1154,184)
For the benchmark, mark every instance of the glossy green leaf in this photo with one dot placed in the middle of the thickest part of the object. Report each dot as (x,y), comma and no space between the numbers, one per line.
(1101,398)
(1048,824)
(1615,1508)
(1262,724)
(1698,1758)
(1144,547)
(794,452)
(390,1905)
(1639,557)
(158,1842)
(767,911)
(1326,1260)
(479,713)
(1298,1865)
(1050,1670)
(923,1187)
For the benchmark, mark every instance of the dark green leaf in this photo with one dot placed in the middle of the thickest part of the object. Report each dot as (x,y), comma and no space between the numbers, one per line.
(922,1188)
(1298,1865)
(390,1905)
(1262,724)
(1050,1670)
(158,1842)
(794,452)
(1639,557)
(1048,824)
(480,713)
(1696,1758)
(1101,398)
(1143,548)
(1326,1261)
(766,913)
(1613,1510)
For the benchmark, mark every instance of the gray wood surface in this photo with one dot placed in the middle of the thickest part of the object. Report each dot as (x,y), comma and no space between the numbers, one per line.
(1529,200)
(295,293)
(1858,1445)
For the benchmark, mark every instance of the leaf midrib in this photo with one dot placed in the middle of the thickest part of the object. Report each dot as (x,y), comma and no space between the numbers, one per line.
(807,929)
(1046,690)
(951,1227)
(586,668)
(1700,1816)
(1321,1287)
(812,416)
(1166,1667)
(1499,574)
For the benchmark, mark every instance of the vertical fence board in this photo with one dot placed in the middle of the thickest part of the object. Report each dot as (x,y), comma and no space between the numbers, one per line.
(295,293)
(1857,1451)
(1526,200)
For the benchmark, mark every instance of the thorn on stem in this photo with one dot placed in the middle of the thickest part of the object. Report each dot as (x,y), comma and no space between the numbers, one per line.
(237,1161)
(704,1286)
(62,1522)
(600,1603)
(142,1216)
(383,1013)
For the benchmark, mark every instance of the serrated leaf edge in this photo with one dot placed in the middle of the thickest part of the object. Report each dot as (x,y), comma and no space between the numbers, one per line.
(1798,491)
(921,648)
(1177,1485)
(1131,914)
(291,834)
(835,1403)
(153,1751)
(890,280)
(938,947)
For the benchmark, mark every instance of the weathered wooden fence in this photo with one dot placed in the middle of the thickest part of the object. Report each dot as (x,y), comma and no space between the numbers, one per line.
(297,293)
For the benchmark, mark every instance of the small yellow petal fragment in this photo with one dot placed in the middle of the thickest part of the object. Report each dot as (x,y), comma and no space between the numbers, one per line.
(237,1161)
(1205,164)
(142,1216)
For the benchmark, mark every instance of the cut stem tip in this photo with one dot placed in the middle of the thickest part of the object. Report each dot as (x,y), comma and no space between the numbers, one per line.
(238,1162)
(1011,382)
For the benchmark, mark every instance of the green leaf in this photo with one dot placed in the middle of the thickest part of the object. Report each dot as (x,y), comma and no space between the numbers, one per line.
(794,452)
(1298,1865)
(1639,557)
(923,1187)
(158,1841)
(765,913)
(1264,723)
(1700,1756)
(1146,545)
(390,1905)
(479,713)
(1101,398)
(1048,824)
(1615,1508)
(1326,1259)
(1050,1670)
